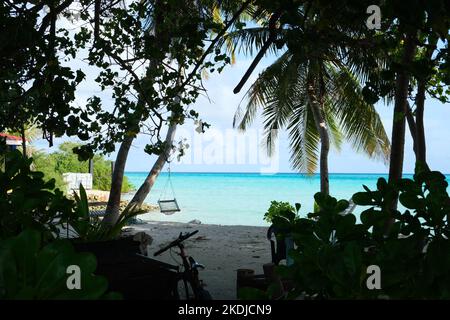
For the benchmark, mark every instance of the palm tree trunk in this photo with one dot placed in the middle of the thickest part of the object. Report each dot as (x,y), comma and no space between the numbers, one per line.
(399,127)
(149,181)
(399,123)
(317,111)
(113,207)
(421,158)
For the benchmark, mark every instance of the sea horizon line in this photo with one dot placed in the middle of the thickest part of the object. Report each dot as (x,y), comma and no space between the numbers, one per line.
(269,174)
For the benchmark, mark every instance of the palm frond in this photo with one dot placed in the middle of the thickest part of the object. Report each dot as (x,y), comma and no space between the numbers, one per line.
(359,120)
(263,91)
(247,41)
(304,140)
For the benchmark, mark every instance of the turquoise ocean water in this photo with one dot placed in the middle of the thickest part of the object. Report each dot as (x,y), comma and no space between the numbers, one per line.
(243,198)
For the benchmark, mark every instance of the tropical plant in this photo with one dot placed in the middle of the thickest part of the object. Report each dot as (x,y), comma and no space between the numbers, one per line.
(28,200)
(89,229)
(409,49)
(316,97)
(55,164)
(333,251)
(281,210)
(33,270)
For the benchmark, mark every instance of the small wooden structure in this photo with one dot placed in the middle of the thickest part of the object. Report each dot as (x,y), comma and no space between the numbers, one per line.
(11,141)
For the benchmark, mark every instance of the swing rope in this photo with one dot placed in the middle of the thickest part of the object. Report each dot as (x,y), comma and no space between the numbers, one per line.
(168,206)
(168,182)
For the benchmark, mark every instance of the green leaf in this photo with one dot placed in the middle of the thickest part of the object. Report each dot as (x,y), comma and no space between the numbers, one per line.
(363,198)
(410,200)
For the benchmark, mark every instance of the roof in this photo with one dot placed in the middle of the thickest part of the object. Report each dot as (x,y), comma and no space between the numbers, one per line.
(11,140)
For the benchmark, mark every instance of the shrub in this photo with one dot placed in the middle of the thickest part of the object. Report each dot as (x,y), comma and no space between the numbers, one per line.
(53,165)
(30,270)
(28,200)
(279,209)
(333,251)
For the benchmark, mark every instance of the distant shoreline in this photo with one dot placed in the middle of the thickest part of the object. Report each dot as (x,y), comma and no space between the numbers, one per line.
(268,174)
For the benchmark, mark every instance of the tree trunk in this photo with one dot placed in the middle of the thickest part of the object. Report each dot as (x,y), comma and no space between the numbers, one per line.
(24,141)
(149,181)
(399,123)
(113,207)
(412,127)
(421,158)
(317,110)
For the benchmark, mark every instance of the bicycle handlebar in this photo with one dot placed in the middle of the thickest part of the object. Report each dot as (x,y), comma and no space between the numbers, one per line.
(176,242)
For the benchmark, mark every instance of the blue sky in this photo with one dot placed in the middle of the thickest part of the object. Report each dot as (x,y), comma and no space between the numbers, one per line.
(219,108)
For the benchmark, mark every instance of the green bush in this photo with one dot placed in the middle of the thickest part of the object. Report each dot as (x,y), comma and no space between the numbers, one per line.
(53,165)
(89,229)
(28,200)
(30,270)
(411,248)
(279,209)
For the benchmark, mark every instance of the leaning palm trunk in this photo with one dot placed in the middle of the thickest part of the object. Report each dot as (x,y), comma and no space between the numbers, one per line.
(317,106)
(113,207)
(149,181)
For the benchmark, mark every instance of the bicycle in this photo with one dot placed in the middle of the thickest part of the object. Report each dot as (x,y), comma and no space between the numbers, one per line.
(192,286)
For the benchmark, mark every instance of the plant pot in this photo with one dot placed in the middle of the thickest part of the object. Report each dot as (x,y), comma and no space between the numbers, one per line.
(134,276)
(110,251)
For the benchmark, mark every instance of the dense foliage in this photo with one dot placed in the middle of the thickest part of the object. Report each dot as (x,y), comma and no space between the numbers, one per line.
(333,251)
(28,200)
(33,270)
(138,53)
(279,209)
(53,165)
(147,56)
(33,257)
(88,229)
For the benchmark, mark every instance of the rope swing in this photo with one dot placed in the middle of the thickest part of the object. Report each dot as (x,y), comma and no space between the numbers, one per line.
(167,205)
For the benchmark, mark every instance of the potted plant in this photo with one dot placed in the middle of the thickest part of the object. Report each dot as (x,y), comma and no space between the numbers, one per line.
(133,275)
(33,258)
(282,216)
(107,243)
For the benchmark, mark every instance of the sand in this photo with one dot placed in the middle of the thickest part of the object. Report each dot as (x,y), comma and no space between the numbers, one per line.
(222,249)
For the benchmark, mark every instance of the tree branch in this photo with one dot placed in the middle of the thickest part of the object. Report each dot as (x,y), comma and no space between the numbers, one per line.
(213,44)
(261,53)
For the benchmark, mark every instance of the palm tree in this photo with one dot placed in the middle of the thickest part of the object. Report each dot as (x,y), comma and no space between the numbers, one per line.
(318,100)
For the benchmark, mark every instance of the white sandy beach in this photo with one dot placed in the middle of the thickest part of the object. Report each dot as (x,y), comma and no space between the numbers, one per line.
(222,249)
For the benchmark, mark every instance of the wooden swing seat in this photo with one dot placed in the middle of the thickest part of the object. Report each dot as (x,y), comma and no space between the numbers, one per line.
(168,206)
